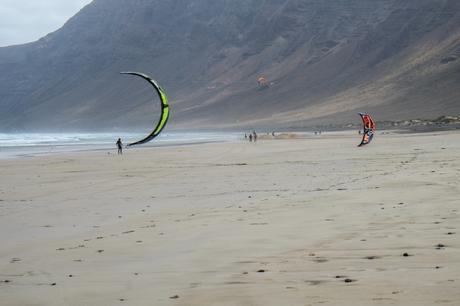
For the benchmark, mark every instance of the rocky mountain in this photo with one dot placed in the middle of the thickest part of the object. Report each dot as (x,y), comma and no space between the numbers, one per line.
(323,62)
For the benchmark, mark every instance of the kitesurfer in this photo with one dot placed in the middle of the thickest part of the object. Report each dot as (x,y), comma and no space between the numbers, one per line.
(120,146)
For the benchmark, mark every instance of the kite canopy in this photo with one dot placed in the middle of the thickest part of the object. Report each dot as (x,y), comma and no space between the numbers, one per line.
(368,129)
(164,109)
(262,81)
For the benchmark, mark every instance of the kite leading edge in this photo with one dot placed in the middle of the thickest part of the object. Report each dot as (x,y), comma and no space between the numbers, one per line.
(368,129)
(164,109)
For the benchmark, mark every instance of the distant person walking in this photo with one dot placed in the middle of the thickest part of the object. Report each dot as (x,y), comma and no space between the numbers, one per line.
(254,135)
(120,146)
(250,137)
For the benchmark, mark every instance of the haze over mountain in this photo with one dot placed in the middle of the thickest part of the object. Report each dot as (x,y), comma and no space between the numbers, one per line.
(325,61)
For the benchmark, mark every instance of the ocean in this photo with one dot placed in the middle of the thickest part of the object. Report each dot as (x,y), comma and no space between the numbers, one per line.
(17,145)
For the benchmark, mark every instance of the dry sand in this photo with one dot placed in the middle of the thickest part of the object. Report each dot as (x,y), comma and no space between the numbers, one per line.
(288,222)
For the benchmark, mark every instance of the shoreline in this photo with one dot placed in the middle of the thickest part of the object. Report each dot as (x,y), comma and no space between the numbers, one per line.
(46,150)
(19,152)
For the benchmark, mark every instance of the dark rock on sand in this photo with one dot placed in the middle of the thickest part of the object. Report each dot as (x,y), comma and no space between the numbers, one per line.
(349,280)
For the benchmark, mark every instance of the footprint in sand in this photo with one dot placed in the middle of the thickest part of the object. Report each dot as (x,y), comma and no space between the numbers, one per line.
(372,257)
(77,247)
(314,282)
(320,260)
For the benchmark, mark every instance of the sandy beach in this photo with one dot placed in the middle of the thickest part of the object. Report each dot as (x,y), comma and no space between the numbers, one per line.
(313,221)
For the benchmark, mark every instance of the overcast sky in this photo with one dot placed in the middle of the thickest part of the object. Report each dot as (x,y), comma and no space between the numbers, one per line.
(23,21)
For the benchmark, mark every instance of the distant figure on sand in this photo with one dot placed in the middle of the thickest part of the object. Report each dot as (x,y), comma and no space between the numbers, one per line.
(250,137)
(120,146)
(254,135)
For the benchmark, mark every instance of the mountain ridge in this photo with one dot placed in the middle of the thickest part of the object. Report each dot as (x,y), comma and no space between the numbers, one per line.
(324,62)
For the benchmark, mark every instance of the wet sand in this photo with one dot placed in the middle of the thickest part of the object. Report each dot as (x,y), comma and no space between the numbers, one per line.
(312,221)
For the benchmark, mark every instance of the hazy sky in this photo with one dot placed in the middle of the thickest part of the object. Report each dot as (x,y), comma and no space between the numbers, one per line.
(23,21)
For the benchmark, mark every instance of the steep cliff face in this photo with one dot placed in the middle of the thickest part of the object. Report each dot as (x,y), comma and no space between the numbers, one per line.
(324,60)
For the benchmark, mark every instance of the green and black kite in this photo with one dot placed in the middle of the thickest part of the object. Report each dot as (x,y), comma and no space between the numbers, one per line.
(164,109)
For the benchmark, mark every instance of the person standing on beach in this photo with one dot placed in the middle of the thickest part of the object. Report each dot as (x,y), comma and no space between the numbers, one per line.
(254,135)
(120,146)
(250,137)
